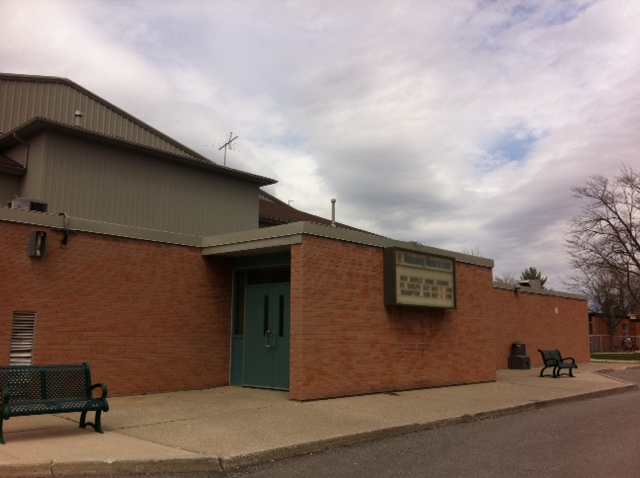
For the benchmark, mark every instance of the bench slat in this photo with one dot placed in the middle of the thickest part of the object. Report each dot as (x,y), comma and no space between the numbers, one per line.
(53,406)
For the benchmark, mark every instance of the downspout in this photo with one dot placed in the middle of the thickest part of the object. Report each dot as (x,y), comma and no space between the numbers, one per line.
(65,228)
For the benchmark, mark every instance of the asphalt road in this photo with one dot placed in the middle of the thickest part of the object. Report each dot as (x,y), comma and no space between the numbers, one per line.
(590,438)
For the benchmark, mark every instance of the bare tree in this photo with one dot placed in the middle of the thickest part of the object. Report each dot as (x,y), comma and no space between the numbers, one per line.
(506,279)
(608,296)
(604,239)
(472,251)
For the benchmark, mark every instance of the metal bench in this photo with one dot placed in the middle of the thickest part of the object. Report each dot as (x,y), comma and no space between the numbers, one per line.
(50,389)
(553,359)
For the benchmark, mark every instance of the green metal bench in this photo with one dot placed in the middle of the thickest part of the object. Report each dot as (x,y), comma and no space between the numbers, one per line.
(50,389)
(553,359)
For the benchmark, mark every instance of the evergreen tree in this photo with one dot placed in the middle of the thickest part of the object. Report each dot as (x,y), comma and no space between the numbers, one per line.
(532,273)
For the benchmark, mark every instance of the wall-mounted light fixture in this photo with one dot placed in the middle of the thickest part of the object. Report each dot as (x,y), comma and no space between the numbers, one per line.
(37,245)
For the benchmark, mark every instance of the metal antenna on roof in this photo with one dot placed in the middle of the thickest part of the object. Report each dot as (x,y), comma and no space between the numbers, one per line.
(228,145)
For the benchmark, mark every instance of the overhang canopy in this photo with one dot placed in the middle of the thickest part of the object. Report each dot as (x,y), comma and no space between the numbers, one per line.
(280,238)
(9,166)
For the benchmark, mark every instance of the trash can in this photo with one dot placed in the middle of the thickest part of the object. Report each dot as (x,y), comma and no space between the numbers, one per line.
(518,348)
(519,359)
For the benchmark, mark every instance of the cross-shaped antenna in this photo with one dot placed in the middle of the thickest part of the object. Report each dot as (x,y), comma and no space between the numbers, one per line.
(228,145)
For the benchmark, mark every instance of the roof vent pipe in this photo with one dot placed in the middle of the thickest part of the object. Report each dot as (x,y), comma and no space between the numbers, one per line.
(77,118)
(333,212)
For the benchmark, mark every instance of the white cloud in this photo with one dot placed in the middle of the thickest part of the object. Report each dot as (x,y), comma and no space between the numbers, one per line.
(450,123)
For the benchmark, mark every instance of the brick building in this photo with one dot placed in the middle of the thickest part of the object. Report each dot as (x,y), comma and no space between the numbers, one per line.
(605,340)
(122,248)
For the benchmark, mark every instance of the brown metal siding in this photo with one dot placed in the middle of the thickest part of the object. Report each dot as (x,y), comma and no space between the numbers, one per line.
(9,188)
(32,182)
(111,185)
(21,100)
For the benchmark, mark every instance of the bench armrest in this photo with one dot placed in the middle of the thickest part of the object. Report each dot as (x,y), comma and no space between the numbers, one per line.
(566,359)
(102,387)
(4,412)
(6,395)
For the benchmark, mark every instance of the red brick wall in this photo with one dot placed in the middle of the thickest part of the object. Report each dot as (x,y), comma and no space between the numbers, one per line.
(147,317)
(151,317)
(531,318)
(344,341)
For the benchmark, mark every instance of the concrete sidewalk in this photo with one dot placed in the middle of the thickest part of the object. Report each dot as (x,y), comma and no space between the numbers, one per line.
(230,427)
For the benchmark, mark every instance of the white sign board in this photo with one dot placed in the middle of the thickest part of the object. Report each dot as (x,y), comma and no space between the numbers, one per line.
(417,279)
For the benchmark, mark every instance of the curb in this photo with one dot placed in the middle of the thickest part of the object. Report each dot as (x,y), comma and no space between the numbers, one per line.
(135,467)
(112,467)
(258,458)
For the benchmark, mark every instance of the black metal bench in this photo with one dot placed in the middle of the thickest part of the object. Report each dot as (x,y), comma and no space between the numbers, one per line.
(50,389)
(553,359)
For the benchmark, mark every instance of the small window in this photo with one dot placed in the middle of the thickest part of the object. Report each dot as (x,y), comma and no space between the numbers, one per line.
(269,276)
(22,335)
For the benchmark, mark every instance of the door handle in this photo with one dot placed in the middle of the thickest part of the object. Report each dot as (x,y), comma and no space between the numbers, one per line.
(267,343)
(273,341)
(270,339)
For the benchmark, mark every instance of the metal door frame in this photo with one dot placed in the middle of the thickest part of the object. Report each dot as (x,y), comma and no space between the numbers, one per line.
(243,267)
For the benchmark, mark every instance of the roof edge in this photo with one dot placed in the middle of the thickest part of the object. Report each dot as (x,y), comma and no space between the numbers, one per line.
(526,290)
(56,222)
(210,243)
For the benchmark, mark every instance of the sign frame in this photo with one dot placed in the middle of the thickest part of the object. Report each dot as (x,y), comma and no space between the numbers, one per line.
(411,278)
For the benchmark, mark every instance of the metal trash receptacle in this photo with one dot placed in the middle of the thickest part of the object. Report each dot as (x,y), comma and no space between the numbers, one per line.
(518,348)
(519,359)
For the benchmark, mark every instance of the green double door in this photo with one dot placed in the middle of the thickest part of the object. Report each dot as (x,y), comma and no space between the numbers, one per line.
(266,340)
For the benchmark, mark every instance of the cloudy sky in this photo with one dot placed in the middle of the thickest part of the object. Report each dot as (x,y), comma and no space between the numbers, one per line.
(458,124)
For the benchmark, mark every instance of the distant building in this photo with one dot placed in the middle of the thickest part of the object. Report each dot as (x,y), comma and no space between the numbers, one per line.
(602,340)
(125,249)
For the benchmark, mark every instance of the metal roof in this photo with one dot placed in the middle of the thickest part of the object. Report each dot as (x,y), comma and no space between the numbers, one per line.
(55,104)
(38,125)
